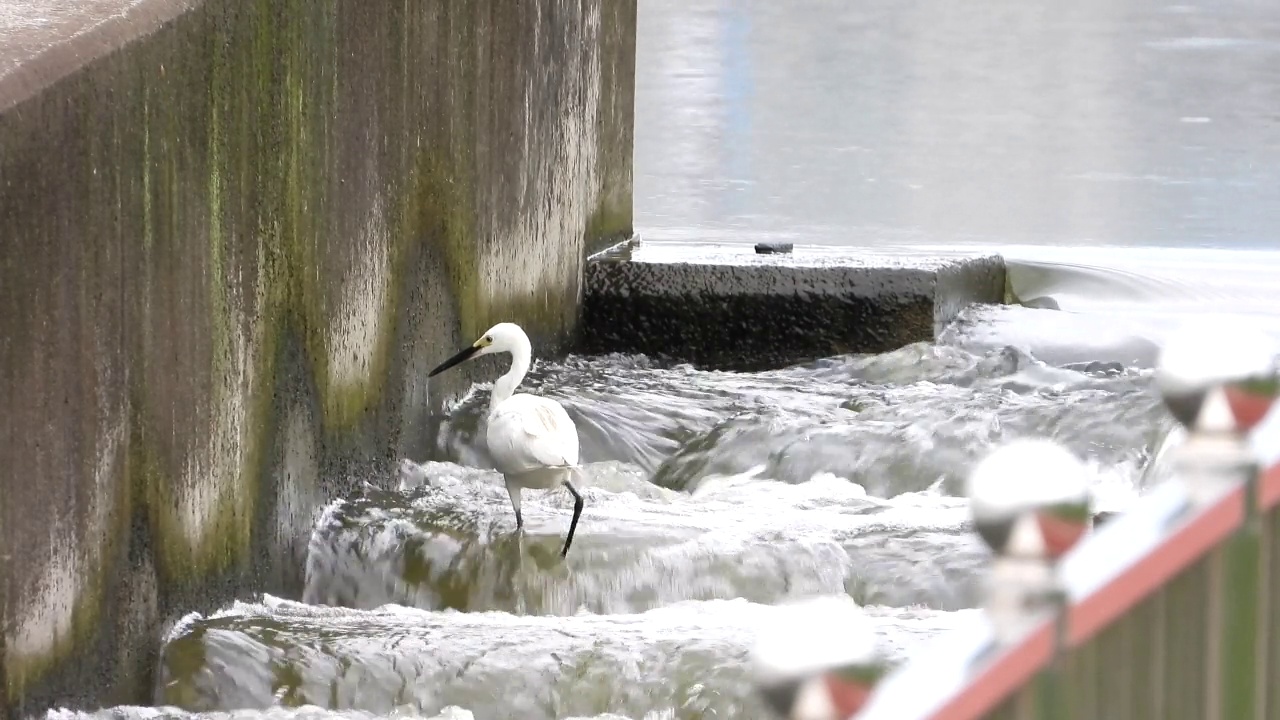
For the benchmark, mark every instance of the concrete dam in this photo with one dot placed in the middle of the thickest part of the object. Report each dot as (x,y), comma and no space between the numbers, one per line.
(233,237)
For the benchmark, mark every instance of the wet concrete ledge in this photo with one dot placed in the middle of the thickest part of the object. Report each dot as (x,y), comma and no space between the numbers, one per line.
(234,235)
(727,307)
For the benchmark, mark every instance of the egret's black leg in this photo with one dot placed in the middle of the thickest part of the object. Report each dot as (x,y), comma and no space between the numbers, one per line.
(577,511)
(513,492)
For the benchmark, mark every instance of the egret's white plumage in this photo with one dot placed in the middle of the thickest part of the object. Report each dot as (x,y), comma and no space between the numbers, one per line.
(532,440)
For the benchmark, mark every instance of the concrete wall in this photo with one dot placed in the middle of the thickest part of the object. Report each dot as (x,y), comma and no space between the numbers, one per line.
(234,234)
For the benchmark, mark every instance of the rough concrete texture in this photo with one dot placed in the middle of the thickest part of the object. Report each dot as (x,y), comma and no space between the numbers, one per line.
(234,235)
(730,308)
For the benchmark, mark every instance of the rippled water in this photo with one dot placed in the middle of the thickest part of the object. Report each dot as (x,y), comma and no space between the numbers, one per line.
(1099,123)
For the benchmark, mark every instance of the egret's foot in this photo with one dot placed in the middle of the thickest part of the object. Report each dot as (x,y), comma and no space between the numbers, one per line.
(516,538)
(518,535)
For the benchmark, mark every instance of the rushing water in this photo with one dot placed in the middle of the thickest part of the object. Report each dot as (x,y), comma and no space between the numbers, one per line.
(710,498)
(1121,155)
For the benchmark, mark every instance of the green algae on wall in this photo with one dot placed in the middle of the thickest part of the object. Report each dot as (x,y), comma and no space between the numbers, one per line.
(258,209)
(436,204)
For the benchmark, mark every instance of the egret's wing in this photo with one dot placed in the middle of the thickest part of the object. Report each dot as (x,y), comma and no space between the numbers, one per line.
(529,432)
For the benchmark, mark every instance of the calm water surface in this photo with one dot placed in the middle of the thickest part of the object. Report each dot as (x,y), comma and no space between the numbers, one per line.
(1124,156)
(1098,123)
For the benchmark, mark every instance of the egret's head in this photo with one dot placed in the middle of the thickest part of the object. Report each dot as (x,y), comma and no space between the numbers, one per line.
(503,337)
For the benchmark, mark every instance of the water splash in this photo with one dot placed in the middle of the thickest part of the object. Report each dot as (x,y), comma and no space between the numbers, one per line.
(837,474)
(448,541)
(896,422)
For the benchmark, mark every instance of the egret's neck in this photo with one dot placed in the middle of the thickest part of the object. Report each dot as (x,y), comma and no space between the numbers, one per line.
(505,386)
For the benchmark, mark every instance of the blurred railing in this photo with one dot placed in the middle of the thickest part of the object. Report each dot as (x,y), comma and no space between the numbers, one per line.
(1168,610)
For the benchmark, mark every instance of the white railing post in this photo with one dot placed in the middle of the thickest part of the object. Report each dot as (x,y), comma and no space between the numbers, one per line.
(1030,504)
(1218,382)
(817,659)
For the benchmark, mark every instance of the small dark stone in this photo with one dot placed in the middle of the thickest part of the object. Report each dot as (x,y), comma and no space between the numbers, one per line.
(774,248)
(853,404)
(1099,368)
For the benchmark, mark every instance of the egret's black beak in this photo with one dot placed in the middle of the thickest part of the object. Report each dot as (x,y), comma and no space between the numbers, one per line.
(456,359)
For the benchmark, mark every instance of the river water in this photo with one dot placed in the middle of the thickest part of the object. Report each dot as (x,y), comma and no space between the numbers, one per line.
(1123,156)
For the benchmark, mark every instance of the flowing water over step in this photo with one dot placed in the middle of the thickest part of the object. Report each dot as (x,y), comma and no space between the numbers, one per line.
(710,498)
(686,658)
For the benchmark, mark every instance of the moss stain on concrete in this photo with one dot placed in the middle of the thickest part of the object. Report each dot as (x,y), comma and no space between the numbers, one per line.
(245,192)
(436,205)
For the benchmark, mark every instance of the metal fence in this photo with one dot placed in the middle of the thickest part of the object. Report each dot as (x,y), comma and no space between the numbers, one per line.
(1169,610)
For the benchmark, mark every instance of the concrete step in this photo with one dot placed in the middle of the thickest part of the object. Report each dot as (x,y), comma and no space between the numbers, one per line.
(732,307)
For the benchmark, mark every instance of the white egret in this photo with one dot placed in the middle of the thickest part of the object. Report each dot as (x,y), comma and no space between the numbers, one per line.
(531,439)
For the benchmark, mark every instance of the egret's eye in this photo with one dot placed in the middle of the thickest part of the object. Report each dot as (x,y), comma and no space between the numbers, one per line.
(488,339)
